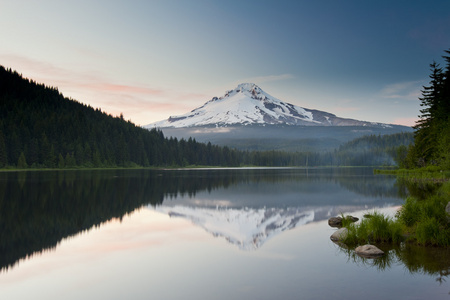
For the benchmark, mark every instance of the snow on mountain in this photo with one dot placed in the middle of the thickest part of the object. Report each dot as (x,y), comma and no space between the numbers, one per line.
(248,104)
(247,228)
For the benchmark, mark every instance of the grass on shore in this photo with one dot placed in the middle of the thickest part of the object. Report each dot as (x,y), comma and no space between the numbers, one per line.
(420,221)
(430,173)
(374,228)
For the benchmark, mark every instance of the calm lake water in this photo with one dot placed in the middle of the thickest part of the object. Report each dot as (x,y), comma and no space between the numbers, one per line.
(202,234)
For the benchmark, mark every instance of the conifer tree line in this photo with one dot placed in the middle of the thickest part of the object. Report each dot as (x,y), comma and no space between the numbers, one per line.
(432,130)
(40,128)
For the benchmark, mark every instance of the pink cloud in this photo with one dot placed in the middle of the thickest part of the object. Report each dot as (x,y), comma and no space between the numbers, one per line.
(98,90)
(193,96)
(111,87)
(405,121)
(50,74)
(410,90)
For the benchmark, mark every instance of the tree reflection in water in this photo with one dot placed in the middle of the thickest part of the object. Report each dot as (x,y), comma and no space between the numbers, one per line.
(431,261)
(38,209)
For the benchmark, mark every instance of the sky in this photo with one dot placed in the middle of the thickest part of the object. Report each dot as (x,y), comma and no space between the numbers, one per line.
(366,60)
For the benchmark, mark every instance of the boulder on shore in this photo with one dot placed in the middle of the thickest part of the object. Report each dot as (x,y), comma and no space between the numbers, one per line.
(339,235)
(369,251)
(337,221)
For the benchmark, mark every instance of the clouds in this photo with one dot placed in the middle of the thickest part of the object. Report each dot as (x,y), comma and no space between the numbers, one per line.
(409,90)
(120,88)
(406,121)
(138,102)
(153,59)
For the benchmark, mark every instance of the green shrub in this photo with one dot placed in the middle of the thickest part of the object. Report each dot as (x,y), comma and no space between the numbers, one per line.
(377,228)
(424,220)
(430,232)
(444,192)
(410,212)
(352,237)
(434,207)
(427,218)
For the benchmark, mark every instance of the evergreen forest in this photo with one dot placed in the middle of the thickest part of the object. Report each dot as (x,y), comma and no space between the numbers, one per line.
(431,145)
(40,128)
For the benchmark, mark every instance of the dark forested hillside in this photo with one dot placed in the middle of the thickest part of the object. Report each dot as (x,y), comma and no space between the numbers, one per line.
(39,127)
(371,150)
(374,150)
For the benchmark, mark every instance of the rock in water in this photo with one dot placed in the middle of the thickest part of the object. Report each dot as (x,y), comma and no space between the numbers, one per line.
(337,221)
(339,235)
(369,251)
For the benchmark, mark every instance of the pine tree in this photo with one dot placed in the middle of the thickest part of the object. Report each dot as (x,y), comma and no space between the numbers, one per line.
(33,152)
(70,160)
(430,140)
(22,163)
(61,162)
(3,152)
(96,160)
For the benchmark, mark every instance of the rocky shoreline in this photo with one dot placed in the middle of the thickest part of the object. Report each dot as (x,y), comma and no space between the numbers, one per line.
(365,251)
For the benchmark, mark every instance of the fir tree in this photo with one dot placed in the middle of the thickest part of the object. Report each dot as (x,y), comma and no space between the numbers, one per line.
(22,163)
(431,135)
(3,152)
(61,162)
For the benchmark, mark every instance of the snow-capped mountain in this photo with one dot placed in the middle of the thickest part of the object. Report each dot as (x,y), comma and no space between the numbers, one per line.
(248,104)
(247,228)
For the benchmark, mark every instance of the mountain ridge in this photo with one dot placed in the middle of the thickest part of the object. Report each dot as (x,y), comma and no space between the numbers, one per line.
(247,118)
(248,104)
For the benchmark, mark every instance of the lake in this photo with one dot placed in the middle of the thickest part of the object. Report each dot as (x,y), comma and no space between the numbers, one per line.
(202,234)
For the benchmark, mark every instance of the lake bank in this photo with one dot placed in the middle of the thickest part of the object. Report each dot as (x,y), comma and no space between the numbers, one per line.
(424,218)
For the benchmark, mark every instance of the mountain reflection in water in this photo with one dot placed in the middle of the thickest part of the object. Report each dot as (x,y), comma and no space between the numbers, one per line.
(246,228)
(39,209)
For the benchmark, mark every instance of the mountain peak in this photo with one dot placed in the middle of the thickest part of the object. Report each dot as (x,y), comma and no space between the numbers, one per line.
(248,104)
(247,87)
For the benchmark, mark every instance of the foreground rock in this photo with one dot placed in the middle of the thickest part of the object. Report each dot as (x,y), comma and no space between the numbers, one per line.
(339,235)
(369,251)
(337,221)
